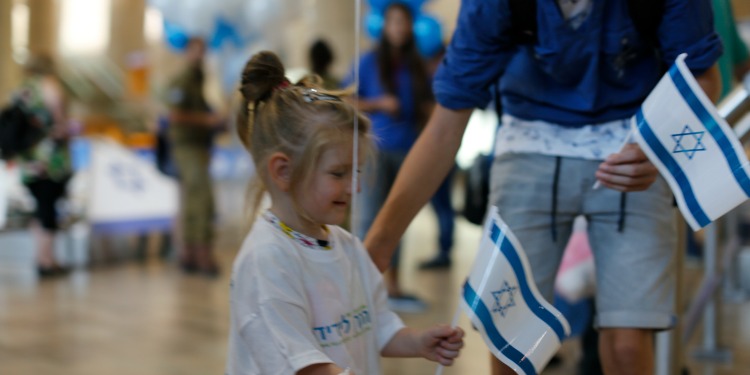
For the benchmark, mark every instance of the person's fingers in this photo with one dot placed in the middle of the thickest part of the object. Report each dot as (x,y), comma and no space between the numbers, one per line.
(445,344)
(614,179)
(632,169)
(630,153)
(445,353)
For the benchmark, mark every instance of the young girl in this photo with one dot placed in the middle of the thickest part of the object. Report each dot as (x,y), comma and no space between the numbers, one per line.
(306,298)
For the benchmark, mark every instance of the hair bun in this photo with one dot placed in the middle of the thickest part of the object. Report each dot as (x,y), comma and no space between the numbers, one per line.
(261,75)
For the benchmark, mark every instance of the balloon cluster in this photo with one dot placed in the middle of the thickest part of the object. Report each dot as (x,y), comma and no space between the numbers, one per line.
(427,29)
(237,23)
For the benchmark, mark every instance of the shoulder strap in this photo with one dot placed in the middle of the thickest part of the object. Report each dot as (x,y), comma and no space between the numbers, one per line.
(523,26)
(646,15)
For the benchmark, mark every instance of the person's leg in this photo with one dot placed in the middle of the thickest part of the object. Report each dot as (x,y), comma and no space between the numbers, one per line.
(633,240)
(390,164)
(203,212)
(46,193)
(441,203)
(590,363)
(539,211)
(185,161)
(626,351)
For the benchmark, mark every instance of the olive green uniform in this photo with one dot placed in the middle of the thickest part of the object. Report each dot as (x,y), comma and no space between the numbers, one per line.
(191,151)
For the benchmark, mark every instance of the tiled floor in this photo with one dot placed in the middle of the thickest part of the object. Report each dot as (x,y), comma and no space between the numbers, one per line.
(133,318)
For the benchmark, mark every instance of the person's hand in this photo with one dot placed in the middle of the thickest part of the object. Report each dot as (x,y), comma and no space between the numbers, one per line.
(389,104)
(441,344)
(627,170)
(217,122)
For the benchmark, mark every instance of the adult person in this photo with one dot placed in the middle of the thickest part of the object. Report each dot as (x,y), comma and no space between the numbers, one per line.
(394,90)
(567,94)
(321,57)
(191,129)
(734,64)
(45,168)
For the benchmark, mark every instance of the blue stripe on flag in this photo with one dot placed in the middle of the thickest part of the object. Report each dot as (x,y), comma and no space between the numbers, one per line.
(687,190)
(713,127)
(537,308)
(484,315)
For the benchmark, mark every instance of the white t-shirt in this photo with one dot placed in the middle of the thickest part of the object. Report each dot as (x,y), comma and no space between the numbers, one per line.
(294,303)
(590,142)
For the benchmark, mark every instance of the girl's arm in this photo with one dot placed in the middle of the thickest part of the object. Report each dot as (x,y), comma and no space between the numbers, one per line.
(440,344)
(323,369)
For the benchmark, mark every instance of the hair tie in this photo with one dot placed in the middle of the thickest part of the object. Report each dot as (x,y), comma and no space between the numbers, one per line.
(311,95)
(284,84)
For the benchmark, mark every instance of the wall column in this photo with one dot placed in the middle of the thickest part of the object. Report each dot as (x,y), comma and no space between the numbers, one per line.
(9,70)
(43,27)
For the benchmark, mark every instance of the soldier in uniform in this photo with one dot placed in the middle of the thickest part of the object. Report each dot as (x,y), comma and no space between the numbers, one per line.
(192,125)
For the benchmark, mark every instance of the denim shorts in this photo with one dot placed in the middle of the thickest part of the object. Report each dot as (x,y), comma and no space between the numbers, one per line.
(633,242)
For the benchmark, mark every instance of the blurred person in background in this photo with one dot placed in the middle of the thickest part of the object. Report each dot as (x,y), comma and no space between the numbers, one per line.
(734,64)
(394,91)
(441,201)
(321,58)
(192,124)
(45,168)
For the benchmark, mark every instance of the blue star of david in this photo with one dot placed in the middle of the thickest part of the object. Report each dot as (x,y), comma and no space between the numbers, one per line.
(691,135)
(504,299)
(126,177)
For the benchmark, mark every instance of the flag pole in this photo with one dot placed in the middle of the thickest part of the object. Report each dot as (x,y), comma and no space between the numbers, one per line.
(454,323)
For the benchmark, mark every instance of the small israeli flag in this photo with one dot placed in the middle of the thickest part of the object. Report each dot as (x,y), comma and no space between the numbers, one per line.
(695,150)
(500,297)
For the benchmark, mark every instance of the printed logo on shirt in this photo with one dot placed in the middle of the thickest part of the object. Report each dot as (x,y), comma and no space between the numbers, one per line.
(348,326)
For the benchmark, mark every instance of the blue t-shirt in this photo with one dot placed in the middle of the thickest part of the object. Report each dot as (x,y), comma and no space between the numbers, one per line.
(393,133)
(598,72)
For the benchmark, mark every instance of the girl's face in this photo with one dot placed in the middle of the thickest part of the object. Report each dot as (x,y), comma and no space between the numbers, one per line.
(398,28)
(328,193)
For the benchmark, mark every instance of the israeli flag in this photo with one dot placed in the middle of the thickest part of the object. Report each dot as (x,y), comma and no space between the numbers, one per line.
(500,297)
(126,193)
(695,150)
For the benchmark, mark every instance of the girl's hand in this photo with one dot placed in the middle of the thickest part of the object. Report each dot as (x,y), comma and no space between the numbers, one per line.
(389,104)
(441,343)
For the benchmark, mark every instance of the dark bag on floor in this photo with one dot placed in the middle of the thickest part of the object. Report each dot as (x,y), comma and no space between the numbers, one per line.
(476,195)
(18,131)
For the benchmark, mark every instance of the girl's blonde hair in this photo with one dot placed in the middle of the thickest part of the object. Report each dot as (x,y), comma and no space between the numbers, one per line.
(299,120)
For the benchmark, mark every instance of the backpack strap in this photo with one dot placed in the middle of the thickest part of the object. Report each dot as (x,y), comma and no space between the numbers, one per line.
(523,26)
(646,15)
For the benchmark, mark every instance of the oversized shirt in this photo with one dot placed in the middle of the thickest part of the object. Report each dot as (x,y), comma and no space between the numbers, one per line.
(295,303)
(598,72)
(392,132)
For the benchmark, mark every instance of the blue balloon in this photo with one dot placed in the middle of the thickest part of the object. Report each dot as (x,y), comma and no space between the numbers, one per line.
(378,6)
(175,36)
(381,5)
(374,22)
(223,31)
(429,35)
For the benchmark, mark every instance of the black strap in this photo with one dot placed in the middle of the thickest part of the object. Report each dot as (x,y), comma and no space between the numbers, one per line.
(646,15)
(523,26)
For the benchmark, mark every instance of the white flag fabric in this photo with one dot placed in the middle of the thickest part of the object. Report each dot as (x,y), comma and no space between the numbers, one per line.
(500,297)
(127,193)
(695,150)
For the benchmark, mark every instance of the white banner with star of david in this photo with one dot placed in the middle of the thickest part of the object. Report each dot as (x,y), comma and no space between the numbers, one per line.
(500,297)
(694,149)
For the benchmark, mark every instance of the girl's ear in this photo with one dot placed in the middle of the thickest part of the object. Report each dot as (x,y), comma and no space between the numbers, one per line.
(280,170)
